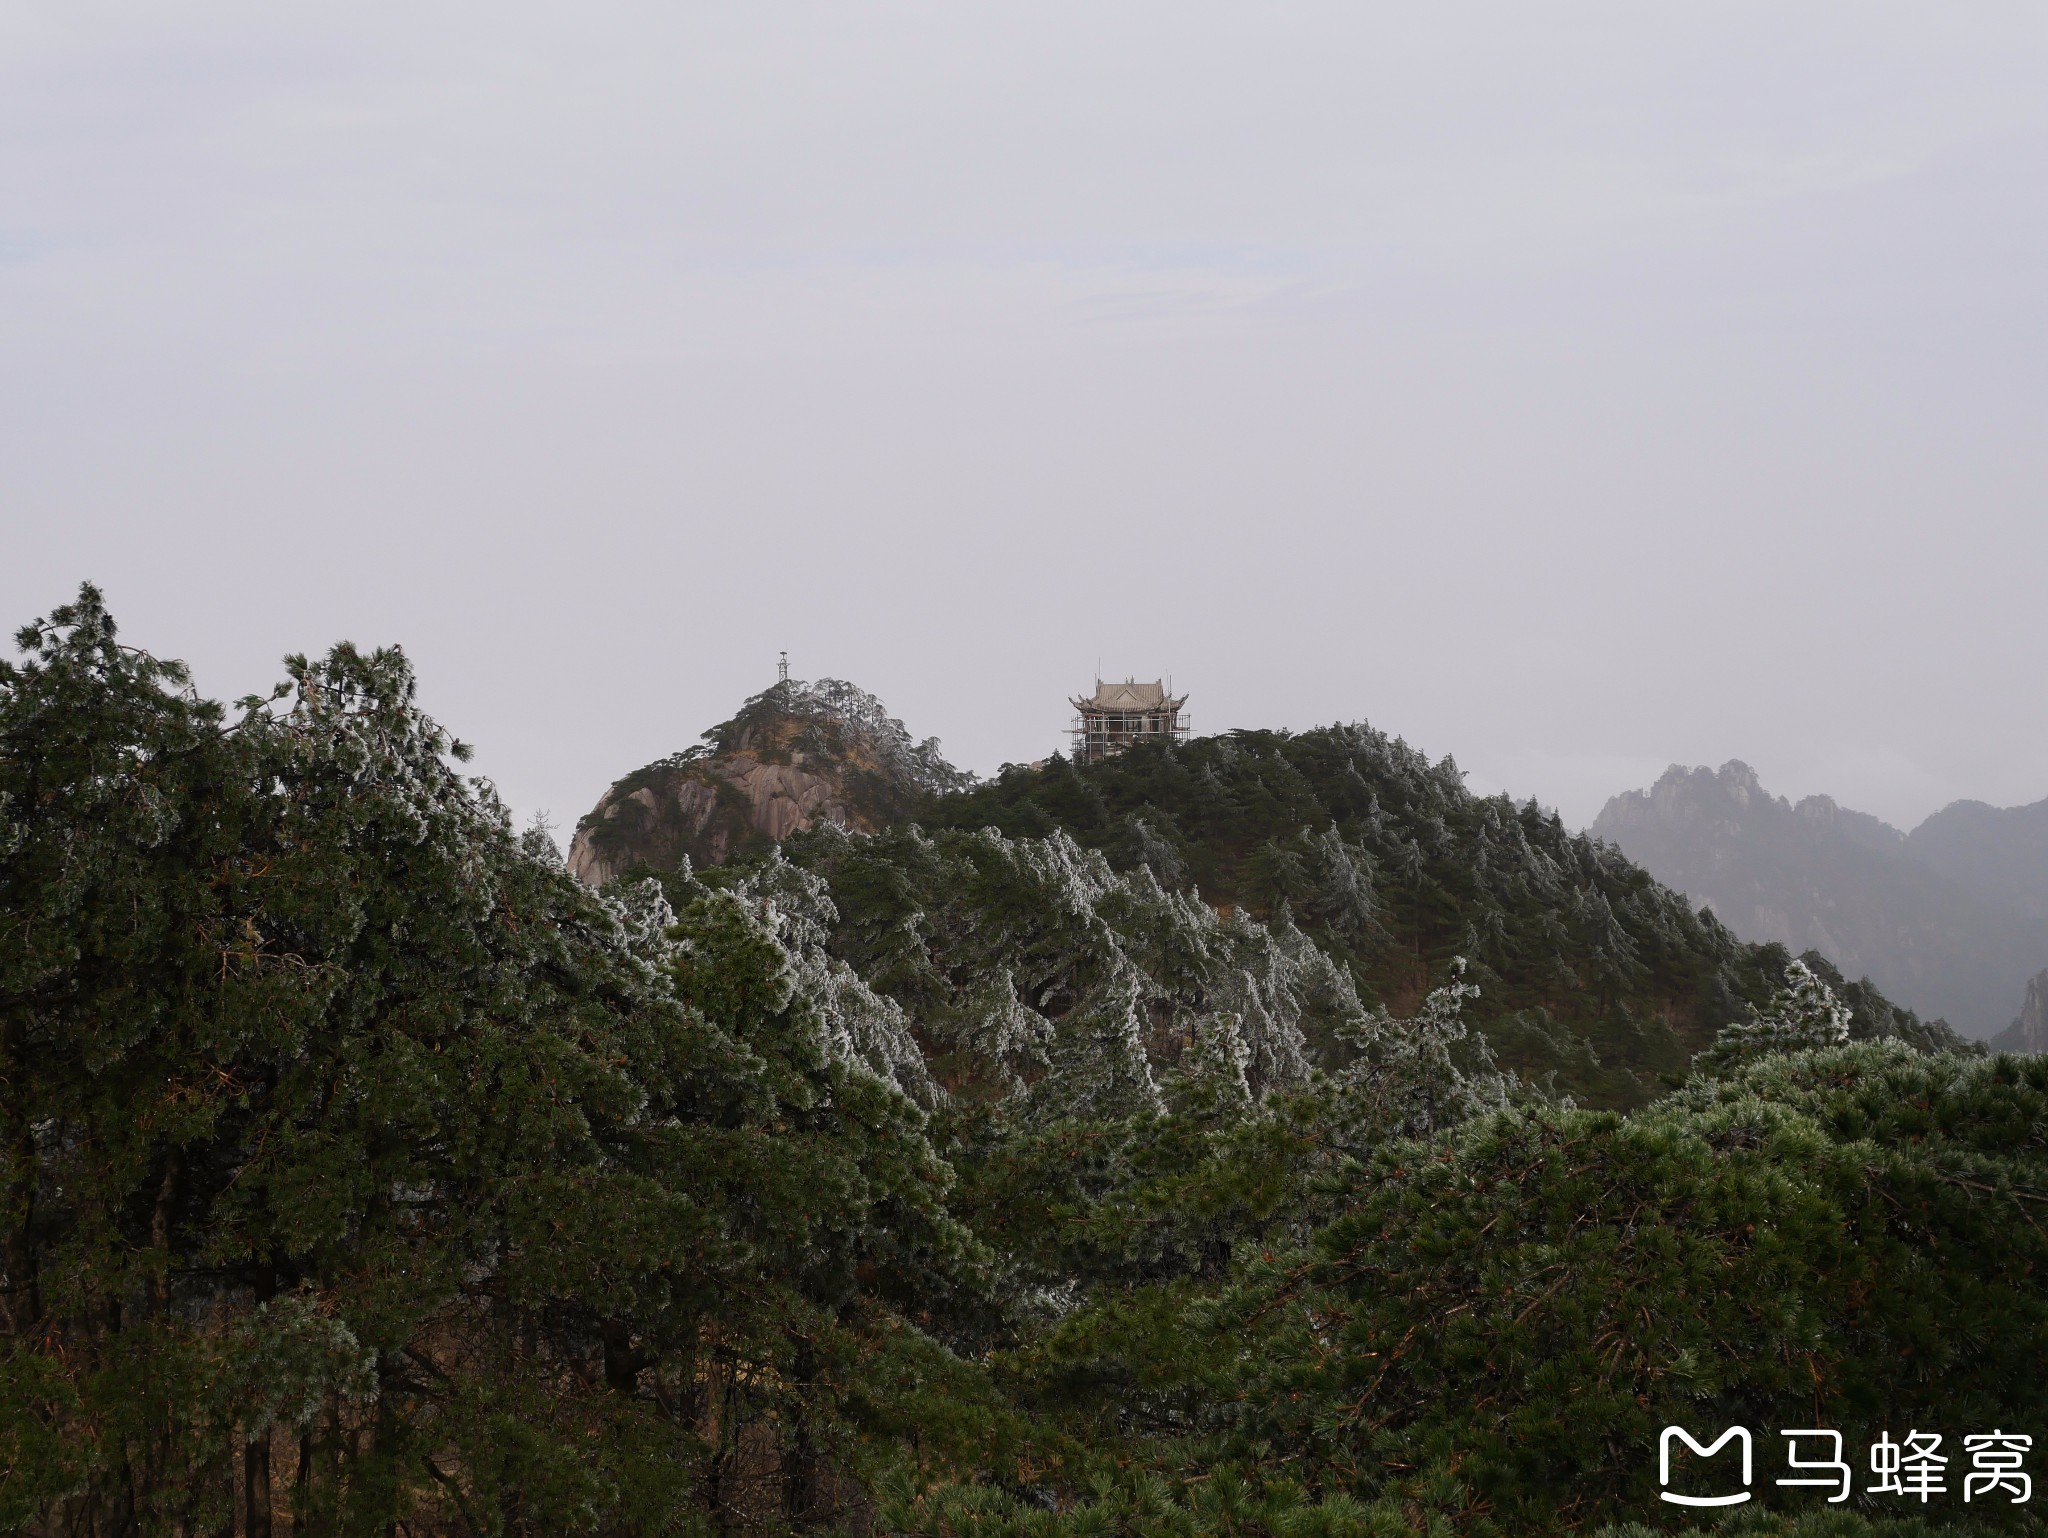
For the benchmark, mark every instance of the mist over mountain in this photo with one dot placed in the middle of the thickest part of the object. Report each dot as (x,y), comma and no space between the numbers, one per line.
(2000,853)
(1950,919)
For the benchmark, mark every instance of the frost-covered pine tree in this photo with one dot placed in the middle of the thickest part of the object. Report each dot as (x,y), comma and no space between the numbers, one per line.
(538,840)
(1413,1077)
(1802,1014)
(862,1027)
(1209,1077)
(365,1114)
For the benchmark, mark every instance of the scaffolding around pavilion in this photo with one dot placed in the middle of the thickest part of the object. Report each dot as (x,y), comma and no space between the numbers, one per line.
(1117,715)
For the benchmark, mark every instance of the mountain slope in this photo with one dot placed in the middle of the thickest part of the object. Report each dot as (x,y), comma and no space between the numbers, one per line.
(1935,918)
(792,756)
(1588,968)
(1587,965)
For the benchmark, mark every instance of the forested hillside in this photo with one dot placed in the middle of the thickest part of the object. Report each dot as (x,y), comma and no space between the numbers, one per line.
(364,1172)
(1587,967)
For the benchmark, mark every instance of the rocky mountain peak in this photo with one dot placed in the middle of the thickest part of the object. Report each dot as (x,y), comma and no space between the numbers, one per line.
(1738,781)
(795,754)
(1698,798)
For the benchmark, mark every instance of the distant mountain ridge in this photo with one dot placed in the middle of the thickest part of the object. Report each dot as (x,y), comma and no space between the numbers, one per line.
(2000,852)
(1950,919)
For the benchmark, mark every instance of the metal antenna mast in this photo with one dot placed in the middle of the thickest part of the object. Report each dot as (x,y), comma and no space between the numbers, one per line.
(782,669)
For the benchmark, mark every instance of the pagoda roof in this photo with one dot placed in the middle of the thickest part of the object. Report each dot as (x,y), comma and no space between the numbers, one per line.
(1128,695)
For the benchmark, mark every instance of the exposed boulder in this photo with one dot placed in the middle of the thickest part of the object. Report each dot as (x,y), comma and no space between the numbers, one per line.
(793,756)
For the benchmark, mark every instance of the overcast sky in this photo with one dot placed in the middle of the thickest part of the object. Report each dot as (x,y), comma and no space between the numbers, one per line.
(1570,388)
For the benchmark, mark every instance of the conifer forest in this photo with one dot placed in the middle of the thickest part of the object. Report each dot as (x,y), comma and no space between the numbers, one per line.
(1261,1136)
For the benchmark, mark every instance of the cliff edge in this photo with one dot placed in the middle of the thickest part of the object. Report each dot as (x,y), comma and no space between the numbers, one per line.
(2029,1033)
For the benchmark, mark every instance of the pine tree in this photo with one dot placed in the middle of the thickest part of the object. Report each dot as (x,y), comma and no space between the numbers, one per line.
(1416,1077)
(362,1165)
(1803,1014)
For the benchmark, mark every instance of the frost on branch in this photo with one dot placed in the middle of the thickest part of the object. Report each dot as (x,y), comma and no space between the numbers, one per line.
(1803,1014)
(861,1026)
(1035,973)
(1414,1077)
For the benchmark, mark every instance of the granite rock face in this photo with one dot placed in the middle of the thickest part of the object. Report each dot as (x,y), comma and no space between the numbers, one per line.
(2029,1033)
(795,755)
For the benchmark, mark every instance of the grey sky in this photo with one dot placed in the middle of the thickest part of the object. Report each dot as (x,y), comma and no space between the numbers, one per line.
(1570,388)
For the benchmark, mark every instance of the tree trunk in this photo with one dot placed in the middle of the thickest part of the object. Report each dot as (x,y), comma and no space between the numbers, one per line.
(622,1361)
(799,1456)
(20,1298)
(256,1487)
(302,1487)
(160,1225)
